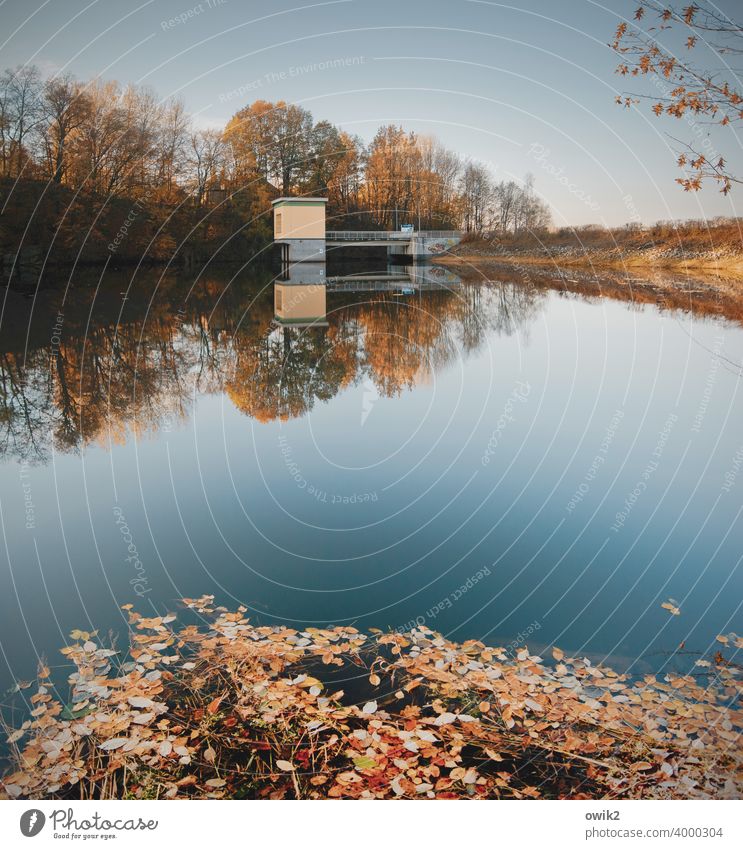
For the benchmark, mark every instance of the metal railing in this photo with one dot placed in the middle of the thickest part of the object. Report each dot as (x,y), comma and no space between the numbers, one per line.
(388,235)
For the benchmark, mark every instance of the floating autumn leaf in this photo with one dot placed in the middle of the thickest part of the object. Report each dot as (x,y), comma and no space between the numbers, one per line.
(364,763)
(558,654)
(375,680)
(671,606)
(286,766)
(369,707)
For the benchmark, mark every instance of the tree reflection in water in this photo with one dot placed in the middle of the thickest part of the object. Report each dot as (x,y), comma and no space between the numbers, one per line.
(118,366)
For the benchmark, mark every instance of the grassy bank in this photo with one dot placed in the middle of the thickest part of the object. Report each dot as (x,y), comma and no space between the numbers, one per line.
(697,291)
(716,247)
(222,708)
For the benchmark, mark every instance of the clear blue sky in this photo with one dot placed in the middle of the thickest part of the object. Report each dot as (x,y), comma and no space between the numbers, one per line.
(490,79)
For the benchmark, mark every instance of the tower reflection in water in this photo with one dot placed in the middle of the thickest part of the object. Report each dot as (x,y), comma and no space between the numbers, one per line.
(302,289)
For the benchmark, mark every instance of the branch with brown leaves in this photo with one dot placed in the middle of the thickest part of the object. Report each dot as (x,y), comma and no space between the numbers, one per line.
(686,91)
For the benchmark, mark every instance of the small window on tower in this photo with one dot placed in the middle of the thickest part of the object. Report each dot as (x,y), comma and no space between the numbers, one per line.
(278,222)
(279,300)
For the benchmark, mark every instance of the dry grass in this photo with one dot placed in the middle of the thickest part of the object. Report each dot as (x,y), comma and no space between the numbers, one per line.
(715,245)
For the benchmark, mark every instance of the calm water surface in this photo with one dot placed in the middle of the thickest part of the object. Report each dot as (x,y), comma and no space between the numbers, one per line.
(498,462)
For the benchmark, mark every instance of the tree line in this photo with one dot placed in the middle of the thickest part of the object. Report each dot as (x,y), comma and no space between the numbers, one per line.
(109,140)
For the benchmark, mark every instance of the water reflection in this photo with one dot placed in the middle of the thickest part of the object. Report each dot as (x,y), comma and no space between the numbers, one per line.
(100,364)
(379,506)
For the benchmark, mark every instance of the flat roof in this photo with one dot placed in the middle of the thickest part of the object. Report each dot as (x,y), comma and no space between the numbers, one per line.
(299,200)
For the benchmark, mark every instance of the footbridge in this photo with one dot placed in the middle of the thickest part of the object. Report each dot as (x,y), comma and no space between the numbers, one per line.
(414,243)
(299,229)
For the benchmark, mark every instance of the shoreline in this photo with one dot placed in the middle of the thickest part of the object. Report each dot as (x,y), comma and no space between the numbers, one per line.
(222,708)
(695,290)
(598,261)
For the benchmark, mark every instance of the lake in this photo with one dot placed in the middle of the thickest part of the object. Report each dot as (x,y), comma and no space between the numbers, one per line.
(499,461)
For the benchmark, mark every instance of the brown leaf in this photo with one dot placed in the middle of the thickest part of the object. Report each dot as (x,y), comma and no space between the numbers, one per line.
(213,705)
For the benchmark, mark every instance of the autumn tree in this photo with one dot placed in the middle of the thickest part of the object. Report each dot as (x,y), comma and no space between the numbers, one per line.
(392,168)
(171,141)
(65,106)
(477,195)
(344,185)
(273,138)
(437,200)
(664,46)
(505,207)
(530,212)
(111,150)
(505,200)
(324,149)
(21,110)
(207,160)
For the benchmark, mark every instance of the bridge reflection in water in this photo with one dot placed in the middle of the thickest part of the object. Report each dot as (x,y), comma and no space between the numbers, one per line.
(300,293)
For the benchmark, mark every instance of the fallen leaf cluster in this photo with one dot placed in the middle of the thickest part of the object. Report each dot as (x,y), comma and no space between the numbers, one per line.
(227,709)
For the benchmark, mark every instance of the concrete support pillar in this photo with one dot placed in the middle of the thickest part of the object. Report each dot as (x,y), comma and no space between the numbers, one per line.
(303,250)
